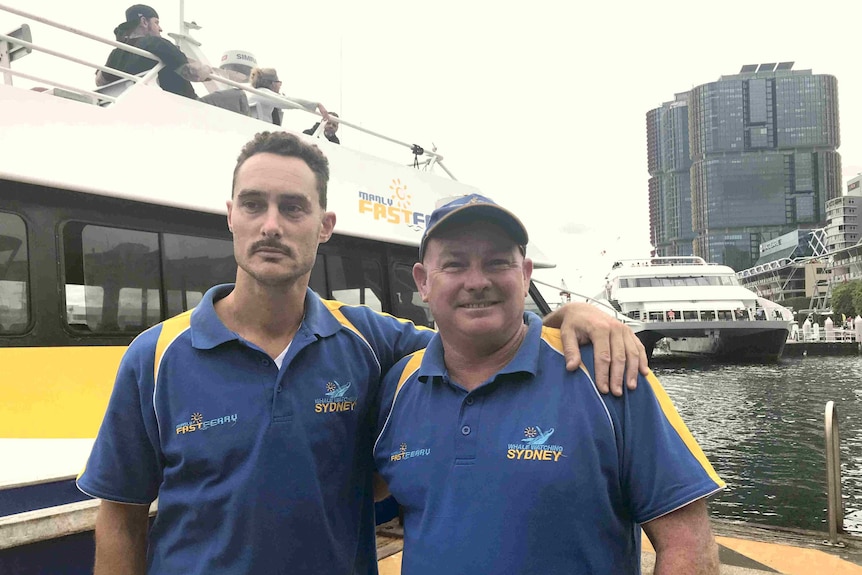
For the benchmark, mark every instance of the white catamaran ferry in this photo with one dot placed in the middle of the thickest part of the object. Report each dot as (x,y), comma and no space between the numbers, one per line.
(112,219)
(696,307)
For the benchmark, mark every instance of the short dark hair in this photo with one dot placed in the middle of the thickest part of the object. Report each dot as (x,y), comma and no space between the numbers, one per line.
(289,146)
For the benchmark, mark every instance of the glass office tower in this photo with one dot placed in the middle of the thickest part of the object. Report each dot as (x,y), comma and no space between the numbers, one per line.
(670,182)
(764,162)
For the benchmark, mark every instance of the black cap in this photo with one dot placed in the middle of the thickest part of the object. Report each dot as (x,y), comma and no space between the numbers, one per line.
(139,10)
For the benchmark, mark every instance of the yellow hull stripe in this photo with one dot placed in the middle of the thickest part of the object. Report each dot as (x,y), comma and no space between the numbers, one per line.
(676,421)
(55,392)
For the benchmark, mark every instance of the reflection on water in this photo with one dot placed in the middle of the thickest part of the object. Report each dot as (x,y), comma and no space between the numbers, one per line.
(762,428)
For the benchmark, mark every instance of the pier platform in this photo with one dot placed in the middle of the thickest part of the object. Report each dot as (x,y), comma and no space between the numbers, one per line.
(805,348)
(744,549)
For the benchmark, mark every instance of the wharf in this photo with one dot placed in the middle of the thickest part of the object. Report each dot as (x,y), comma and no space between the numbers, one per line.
(795,348)
(744,549)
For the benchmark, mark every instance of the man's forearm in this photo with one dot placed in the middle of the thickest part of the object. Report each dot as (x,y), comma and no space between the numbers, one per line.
(695,562)
(121,539)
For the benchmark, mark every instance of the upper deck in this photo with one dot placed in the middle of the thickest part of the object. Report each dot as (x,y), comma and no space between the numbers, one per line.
(132,140)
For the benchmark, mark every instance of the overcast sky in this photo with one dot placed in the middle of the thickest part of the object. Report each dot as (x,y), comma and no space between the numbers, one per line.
(540,104)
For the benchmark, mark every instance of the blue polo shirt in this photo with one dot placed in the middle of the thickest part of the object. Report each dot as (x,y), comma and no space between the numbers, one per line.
(534,471)
(256,469)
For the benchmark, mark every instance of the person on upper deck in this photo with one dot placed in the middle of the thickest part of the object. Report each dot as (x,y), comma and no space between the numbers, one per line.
(269,109)
(142,30)
(328,130)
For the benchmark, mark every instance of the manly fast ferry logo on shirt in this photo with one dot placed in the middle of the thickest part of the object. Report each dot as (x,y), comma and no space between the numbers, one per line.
(534,446)
(336,398)
(403,454)
(395,209)
(197,423)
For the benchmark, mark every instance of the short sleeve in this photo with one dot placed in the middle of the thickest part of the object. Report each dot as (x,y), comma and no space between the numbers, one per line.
(663,467)
(124,465)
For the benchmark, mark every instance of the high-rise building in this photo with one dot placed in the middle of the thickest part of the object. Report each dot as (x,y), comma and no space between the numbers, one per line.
(844,217)
(764,161)
(762,146)
(670,181)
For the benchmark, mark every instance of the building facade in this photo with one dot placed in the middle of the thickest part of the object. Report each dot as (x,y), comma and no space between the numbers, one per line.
(762,151)
(793,265)
(844,217)
(669,166)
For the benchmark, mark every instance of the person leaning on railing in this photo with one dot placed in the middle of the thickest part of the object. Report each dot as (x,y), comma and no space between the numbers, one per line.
(142,30)
(269,109)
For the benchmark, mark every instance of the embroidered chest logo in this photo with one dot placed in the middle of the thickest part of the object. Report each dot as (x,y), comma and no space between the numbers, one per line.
(534,446)
(403,454)
(338,397)
(197,423)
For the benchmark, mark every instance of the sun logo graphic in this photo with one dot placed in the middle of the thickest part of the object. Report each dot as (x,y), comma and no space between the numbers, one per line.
(197,418)
(403,454)
(530,432)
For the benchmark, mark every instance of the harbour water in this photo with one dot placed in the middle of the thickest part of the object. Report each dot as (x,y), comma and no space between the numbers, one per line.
(762,428)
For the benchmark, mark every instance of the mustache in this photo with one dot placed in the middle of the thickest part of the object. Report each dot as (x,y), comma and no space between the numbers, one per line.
(271,244)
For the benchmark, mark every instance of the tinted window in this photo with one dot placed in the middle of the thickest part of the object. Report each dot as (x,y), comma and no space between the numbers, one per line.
(355,281)
(14,275)
(192,265)
(406,301)
(112,278)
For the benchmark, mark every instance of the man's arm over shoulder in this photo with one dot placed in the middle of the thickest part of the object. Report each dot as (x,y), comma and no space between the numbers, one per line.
(392,338)
(683,541)
(121,538)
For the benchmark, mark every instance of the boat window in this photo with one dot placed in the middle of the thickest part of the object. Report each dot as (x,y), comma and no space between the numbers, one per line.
(191,266)
(406,301)
(624,282)
(14,275)
(355,281)
(689,315)
(112,278)
(642,282)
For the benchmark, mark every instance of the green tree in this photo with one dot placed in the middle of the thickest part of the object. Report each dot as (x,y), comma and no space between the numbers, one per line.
(842,299)
(857,298)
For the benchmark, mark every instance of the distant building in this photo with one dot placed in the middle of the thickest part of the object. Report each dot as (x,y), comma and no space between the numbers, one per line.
(844,217)
(762,147)
(670,180)
(790,266)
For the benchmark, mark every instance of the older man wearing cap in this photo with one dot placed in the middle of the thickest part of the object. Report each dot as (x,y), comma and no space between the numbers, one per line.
(503,461)
(142,30)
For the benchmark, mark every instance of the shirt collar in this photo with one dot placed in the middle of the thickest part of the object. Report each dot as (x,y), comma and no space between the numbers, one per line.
(526,359)
(208,331)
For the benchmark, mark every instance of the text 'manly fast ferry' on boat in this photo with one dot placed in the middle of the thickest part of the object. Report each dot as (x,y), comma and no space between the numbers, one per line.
(696,307)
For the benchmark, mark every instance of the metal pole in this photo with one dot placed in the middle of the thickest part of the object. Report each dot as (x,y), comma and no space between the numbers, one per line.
(833,474)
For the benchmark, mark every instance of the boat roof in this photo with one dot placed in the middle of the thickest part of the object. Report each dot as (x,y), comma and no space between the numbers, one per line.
(667,266)
(143,144)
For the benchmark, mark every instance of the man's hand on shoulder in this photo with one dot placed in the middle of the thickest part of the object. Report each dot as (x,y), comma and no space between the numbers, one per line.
(617,350)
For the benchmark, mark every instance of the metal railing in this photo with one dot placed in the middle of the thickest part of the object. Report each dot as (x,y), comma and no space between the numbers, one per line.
(98,96)
(833,474)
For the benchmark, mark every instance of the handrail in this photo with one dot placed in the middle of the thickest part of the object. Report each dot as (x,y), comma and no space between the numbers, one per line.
(833,474)
(94,95)
(434,157)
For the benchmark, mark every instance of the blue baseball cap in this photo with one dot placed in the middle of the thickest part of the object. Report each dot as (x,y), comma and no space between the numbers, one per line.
(472,208)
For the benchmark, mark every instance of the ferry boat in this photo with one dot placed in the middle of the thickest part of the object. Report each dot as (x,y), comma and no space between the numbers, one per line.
(695,308)
(113,218)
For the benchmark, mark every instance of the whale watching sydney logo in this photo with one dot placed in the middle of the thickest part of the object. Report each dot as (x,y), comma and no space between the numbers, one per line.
(534,446)
(395,209)
(403,454)
(338,397)
(197,423)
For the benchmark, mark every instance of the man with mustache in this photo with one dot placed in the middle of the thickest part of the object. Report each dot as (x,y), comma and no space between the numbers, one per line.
(506,463)
(251,417)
